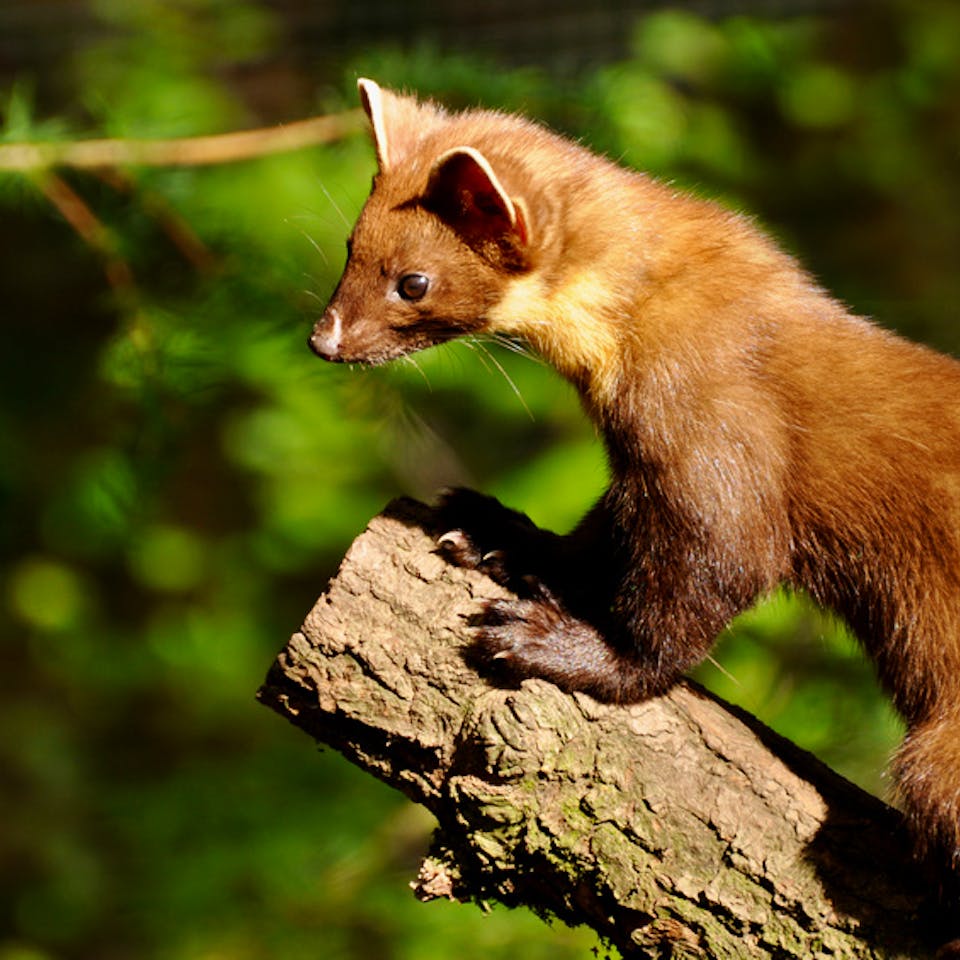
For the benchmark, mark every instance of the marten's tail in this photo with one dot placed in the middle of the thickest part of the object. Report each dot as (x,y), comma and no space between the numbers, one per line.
(927,772)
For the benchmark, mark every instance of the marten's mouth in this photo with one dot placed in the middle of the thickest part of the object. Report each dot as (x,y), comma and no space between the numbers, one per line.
(331,342)
(335,354)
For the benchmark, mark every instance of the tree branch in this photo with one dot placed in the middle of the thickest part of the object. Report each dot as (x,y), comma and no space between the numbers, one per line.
(679,827)
(90,229)
(184,151)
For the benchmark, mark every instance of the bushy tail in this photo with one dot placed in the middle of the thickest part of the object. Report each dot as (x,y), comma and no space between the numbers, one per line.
(927,772)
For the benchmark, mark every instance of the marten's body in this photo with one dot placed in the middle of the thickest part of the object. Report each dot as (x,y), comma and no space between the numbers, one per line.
(757,433)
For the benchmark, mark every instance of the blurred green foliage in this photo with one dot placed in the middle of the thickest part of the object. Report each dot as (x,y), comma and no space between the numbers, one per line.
(179,476)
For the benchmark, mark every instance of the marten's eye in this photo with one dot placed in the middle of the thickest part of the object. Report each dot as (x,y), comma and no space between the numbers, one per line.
(413,286)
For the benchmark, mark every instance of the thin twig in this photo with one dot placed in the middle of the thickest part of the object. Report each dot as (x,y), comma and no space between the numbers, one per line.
(178,230)
(72,207)
(187,151)
(96,234)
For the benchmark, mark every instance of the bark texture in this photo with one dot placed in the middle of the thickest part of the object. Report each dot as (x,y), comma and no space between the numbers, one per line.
(678,827)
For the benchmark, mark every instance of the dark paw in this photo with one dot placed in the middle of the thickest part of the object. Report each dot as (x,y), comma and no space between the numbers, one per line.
(478,532)
(482,516)
(536,637)
(461,549)
(513,639)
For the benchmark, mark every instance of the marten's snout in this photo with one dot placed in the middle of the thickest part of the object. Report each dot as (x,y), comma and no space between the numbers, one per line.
(327,334)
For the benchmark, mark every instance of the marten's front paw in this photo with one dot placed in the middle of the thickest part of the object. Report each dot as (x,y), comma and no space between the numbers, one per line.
(479,532)
(461,507)
(517,639)
(461,549)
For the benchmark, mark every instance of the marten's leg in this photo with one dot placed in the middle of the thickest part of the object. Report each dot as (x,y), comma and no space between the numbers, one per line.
(619,613)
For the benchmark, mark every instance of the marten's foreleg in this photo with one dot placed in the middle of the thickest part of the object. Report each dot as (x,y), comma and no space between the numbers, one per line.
(617,611)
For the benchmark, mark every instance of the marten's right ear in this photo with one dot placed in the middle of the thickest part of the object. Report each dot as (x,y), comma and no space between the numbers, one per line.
(399,123)
(466,193)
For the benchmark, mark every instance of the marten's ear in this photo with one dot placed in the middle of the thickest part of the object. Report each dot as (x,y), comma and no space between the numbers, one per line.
(464,191)
(399,123)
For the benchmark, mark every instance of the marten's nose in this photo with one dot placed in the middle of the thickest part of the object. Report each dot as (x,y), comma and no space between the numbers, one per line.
(325,339)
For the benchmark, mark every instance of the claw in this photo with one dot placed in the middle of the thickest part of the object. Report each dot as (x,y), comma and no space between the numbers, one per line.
(537,589)
(453,537)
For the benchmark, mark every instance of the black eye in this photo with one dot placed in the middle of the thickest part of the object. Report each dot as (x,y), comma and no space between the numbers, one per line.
(413,286)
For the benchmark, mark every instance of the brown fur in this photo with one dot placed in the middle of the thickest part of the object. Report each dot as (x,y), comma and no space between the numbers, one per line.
(757,433)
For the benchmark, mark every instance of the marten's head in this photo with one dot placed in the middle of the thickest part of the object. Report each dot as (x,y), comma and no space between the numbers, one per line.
(437,244)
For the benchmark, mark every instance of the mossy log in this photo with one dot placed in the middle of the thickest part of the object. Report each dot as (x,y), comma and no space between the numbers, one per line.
(678,827)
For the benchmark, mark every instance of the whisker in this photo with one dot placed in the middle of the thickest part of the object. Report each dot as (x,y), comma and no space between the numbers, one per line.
(314,296)
(724,671)
(416,366)
(473,344)
(316,246)
(517,346)
(335,205)
(506,376)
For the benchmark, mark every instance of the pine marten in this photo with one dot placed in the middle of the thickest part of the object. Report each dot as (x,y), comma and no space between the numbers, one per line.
(758,434)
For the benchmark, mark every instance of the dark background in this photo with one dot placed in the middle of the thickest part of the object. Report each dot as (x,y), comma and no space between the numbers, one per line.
(179,476)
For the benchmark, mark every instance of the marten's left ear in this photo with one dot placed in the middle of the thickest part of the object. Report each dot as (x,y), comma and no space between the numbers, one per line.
(464,191)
